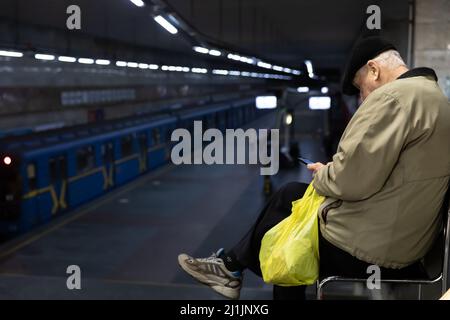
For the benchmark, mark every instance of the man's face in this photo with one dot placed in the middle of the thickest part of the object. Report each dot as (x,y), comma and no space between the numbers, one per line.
(367,79)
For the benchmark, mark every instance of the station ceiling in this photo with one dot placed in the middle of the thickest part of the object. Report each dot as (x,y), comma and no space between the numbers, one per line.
(284,31)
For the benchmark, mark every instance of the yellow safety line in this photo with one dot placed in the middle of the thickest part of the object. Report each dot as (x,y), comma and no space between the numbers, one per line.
(131,157)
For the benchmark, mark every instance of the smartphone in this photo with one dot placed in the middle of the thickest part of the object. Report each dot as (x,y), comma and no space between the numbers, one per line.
(305,161)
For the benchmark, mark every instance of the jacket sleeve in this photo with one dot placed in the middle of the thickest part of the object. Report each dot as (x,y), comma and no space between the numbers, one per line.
(367,152)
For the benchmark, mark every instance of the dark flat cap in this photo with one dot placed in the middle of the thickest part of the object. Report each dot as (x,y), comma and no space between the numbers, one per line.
(364,50)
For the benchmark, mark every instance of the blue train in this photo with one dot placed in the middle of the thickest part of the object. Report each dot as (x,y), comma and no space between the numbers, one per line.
(47,174)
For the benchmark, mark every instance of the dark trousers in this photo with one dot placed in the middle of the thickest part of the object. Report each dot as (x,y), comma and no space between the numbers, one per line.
(333,261)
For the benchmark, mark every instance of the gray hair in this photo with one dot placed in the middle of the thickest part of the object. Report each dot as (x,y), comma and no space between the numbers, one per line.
(390,59)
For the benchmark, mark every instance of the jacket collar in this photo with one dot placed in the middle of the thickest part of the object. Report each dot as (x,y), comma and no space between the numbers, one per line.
(419,72)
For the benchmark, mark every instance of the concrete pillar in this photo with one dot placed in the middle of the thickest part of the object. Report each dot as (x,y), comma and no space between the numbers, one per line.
(432,39)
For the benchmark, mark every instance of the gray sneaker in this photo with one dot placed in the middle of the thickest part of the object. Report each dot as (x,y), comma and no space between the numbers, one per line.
(212,272)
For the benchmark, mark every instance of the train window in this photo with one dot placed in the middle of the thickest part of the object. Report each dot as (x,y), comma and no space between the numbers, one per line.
(53,168)
(126,144)
(156,136)
(85,159)
(31,175)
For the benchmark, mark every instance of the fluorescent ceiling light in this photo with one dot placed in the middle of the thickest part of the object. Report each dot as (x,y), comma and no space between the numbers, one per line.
(296,72)
(319,103)
(303,89)
(221,72)
(165,68)
(153,66)
(201,50)
(166,24)
(13,54)
(138,3)
(199,70)
(103,62)
(67,59)
(264,65)
(277,68)
(41,56)
(86,60)
(235,73)
(309,67)
(132,64)
(121,64)
(143,65)
(324,90)
(266,102)
(186,69)
(215,53)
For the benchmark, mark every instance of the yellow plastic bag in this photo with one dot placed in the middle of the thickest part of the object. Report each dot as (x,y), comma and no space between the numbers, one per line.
(289,254)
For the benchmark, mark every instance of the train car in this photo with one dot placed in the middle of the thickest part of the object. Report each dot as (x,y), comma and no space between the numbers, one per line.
(49,174)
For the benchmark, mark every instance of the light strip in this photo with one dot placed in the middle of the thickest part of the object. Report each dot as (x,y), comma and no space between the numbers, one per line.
(138,3)
(153,66)
(13,54)
(201,50)
(121,64)
(103,62)
(86,60)
(132,64)
(166,24)
(67,59)
(215,53)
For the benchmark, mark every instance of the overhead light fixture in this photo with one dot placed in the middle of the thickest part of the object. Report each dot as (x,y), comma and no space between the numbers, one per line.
(14,54)
(264,65)
(153,66)
(166,24)
(102,62)
(303,89)
(143,66)
(201,50)
(215,53)
(138,3)
(296,72)
(199,70)
(277,68)
(220,72)
(132,64)
(319,103)
(309,67)
(266,102)
(67,59)
(165,68)
(235,73)
(86,60)
(121,64)
(324,90)
(48,57)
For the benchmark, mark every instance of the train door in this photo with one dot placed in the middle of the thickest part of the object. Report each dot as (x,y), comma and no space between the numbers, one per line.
(143,152)
(10,189)
(108,162)
(58,183)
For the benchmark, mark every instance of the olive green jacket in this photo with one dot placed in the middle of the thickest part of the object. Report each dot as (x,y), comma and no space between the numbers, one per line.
(387,181)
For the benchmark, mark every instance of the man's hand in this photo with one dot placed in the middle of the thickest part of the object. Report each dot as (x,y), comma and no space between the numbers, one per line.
(315,167)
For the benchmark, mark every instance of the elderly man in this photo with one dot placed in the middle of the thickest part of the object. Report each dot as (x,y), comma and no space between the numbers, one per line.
(383,189)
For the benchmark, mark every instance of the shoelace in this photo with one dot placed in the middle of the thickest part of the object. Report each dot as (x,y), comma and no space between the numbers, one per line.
(211,259)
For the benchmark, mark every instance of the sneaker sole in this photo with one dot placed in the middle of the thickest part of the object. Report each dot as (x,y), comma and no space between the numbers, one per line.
(226,292)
